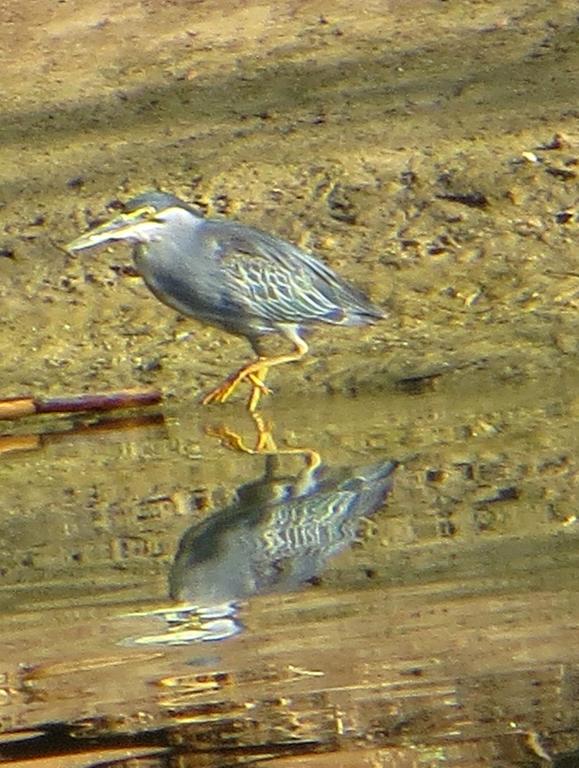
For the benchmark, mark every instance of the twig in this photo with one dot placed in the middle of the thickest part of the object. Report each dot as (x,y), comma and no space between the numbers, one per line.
(20,407)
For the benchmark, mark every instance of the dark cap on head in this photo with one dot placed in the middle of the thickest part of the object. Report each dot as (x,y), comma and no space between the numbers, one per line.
(159,201)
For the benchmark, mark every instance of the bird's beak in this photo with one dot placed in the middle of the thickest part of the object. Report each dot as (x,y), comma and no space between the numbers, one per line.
(126,226)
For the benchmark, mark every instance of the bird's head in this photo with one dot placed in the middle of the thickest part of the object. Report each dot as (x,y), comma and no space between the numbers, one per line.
(147,217)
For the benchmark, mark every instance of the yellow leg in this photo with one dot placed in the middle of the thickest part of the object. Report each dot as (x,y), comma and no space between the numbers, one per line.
(255,372)
(265,442)
(259,388)
(249,372)
(264,445)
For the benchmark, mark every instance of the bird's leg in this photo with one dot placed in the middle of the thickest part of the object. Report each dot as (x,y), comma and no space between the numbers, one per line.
(259,388)
(265,444)
(255,372)
(229,439)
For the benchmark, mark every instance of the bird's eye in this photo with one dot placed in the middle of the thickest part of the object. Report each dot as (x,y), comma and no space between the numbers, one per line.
(143,212)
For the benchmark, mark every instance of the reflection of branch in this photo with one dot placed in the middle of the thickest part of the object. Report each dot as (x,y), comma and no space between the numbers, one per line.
(14,443)
(19,407)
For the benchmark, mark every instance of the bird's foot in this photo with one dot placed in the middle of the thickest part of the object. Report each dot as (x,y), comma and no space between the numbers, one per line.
(229,439)
(264,443)
(252,373)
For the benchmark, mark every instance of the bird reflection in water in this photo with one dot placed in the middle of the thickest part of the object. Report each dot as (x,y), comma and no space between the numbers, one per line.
(276,536)
(264,442)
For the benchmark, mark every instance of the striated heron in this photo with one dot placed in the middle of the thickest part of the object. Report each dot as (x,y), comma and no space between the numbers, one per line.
(278,533)
(232,276)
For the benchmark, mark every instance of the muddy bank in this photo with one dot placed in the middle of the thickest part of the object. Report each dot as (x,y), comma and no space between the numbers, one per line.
(428,153)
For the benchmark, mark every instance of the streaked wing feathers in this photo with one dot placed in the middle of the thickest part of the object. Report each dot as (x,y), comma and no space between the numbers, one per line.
(271,278)
(264,288)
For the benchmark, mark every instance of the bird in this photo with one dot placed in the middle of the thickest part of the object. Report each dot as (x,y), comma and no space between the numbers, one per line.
(277,534)
(232,276)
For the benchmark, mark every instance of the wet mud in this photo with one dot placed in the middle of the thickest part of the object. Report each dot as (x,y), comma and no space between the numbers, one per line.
(428,152)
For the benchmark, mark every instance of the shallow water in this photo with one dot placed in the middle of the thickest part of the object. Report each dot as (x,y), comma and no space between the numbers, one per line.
(428,152)
(446,626)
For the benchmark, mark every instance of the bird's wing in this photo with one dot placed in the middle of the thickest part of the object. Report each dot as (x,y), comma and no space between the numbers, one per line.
(271,278)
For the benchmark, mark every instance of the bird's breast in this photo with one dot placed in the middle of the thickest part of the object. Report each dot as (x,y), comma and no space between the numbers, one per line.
(189,286)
